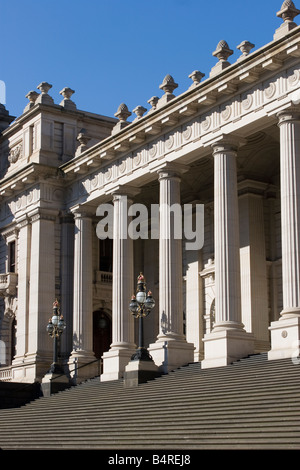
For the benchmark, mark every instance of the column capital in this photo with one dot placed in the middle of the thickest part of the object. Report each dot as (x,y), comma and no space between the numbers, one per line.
(287,115)
(82,211)
(22,221)
(227,143)
(171,170)
(42,213)
(125,190)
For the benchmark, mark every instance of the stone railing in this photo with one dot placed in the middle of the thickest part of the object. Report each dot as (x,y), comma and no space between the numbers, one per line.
(104,277)
(5,374)
(8,283)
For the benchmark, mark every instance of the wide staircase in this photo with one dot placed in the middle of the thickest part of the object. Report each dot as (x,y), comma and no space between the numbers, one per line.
(251,404)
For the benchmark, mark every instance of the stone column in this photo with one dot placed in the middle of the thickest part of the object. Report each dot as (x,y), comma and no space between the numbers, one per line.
(42,291)
(171,349)
(123,346)
(285,333)
(82,297)
(228,340)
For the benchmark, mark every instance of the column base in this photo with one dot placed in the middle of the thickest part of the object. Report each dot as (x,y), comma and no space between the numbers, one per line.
(83,365)
(114,363)
(139,371)
(285,337)
(226,346)
(170,353)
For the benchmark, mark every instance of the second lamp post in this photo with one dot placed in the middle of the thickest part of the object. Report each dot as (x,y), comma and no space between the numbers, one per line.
(140,306)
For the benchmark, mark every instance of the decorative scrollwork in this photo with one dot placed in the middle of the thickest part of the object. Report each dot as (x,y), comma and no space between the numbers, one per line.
(15,153)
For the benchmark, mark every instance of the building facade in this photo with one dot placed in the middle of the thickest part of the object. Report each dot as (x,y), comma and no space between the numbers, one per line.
(225,155)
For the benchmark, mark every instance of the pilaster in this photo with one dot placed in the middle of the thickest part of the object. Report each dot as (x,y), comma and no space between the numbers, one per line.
(24,247)
(41,291)
(254,285)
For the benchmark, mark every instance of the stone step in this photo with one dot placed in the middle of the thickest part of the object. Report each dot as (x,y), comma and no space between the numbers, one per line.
(253,403)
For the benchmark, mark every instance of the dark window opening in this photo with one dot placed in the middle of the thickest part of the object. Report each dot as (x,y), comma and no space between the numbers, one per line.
(106,255)
(12,257)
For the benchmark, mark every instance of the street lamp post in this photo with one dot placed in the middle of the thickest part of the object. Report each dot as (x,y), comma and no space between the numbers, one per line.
(55,328)
(140,306)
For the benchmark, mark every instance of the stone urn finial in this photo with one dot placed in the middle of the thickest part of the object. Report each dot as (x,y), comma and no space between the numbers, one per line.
(222,52)
(153,103)
(32,97)
(122,114)
(139,111)
(245,48)
(168,85)
(67,92)
(287,13)
(196,76)
(44,87)
(83,138)
(44,98)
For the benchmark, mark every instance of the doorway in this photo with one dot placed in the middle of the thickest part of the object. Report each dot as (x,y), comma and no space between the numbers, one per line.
(102,332)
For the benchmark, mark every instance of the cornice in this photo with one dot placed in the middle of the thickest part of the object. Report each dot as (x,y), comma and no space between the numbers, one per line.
(25,178)
(39,108)
(245,72)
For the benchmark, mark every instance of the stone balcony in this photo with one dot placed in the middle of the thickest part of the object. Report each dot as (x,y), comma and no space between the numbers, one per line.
(8,284)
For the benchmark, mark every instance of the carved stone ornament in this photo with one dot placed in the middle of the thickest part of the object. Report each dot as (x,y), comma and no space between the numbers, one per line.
(288,11)
(245,48)
(15,153)
(222,51)
(196,76)
(168,85)
(139,111)
(122,112)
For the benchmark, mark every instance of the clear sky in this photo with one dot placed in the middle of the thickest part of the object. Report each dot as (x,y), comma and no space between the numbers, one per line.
(114,51)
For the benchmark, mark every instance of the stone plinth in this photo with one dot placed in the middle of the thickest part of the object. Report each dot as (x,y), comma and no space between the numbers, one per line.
(137,372)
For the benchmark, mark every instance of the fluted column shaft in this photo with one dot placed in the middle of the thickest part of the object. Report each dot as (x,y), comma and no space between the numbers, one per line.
(228,340)
(122,348)
(171,349)
(123,276)
(289,124)
(227,256)
(170,256)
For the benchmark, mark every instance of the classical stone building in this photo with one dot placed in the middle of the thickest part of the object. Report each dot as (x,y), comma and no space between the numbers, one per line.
(229,145)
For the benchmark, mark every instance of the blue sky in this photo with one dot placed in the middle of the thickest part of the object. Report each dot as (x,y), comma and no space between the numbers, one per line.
(114,51)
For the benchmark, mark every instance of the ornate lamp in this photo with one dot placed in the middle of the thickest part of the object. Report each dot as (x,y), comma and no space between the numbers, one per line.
(55,328)
(140,306)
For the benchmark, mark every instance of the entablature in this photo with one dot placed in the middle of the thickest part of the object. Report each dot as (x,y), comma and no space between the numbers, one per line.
(251,89)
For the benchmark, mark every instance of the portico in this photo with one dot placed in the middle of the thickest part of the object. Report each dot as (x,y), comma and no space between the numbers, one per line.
(229,143)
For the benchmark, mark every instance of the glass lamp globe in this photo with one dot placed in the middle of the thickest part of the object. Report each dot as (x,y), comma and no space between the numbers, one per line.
(50,327)
(133,306)
(150,302)
(61,324)
(55,320)
(141,297)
